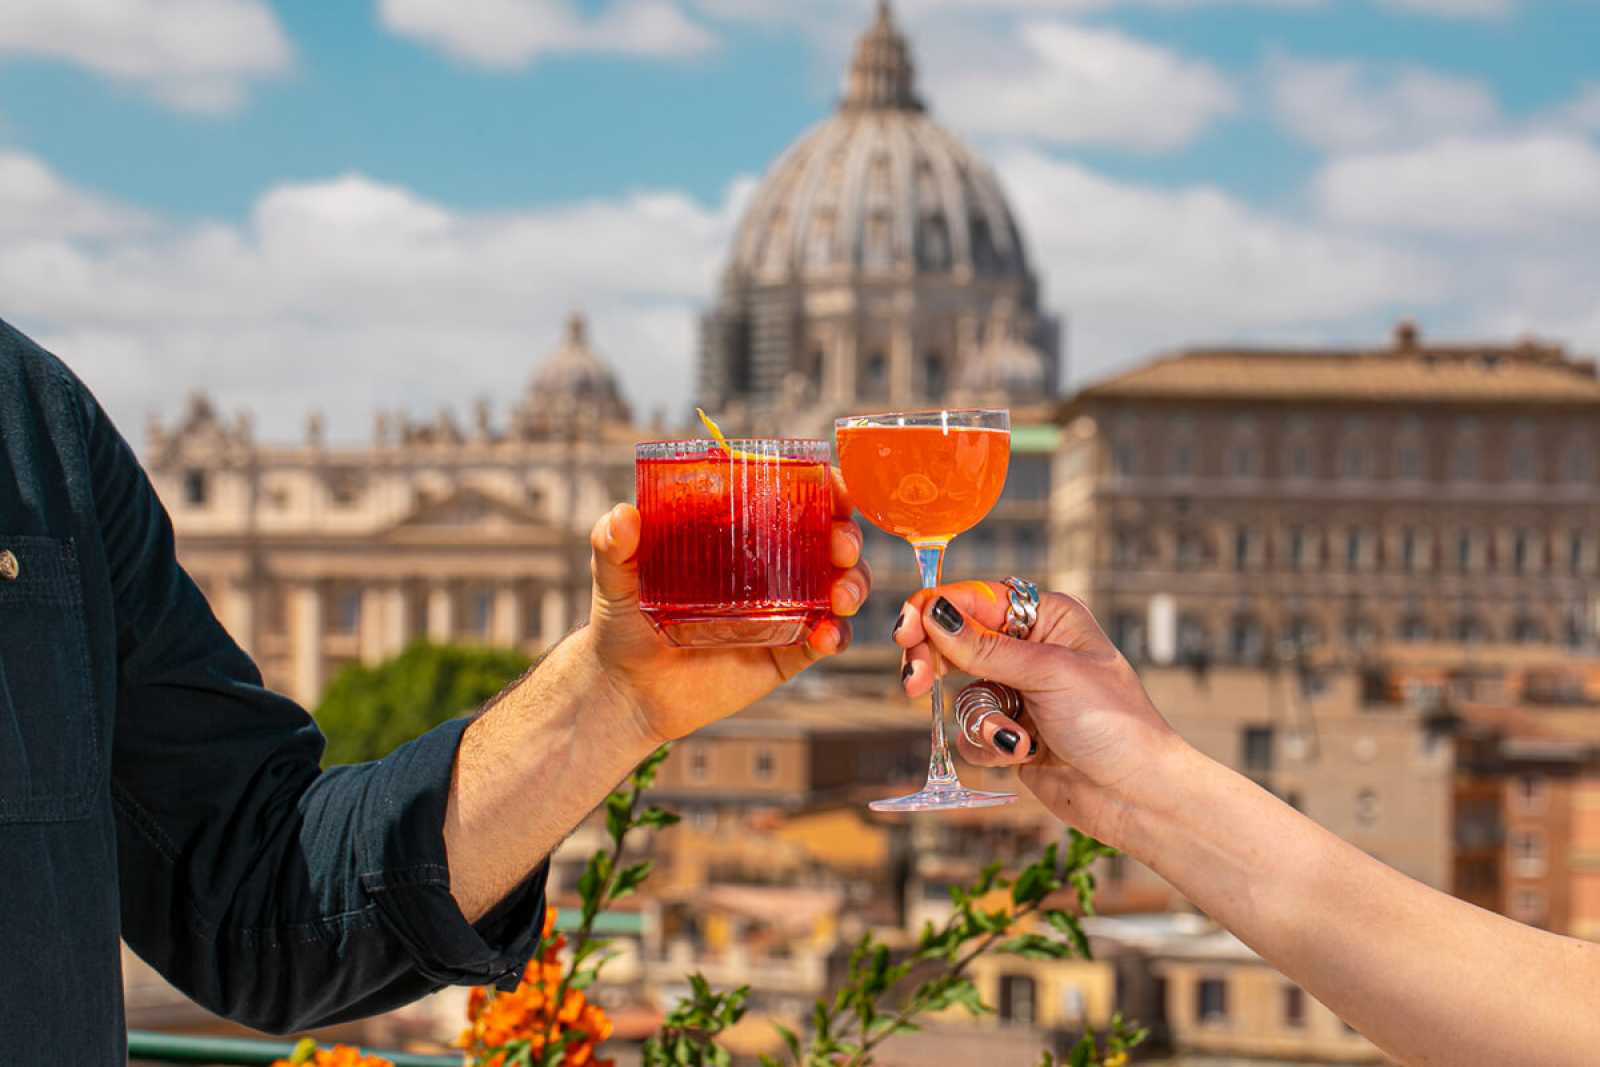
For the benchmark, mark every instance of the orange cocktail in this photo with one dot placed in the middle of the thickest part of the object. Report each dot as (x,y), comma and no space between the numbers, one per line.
(924,483)
(927,476)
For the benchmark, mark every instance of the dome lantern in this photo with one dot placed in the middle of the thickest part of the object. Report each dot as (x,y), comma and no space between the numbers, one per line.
(881,75)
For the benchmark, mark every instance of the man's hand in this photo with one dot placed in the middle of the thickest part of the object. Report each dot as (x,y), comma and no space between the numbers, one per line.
(678,690)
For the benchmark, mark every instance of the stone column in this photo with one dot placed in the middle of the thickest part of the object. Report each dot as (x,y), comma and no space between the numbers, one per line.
(396,616)
(552,616)
(441,614)
(505,628)
(902,363)
(373,624)
(842,373)
(305,637)
(239,604)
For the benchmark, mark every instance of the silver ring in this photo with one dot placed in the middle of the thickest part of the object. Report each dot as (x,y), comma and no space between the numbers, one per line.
(981,699)
(1022,607)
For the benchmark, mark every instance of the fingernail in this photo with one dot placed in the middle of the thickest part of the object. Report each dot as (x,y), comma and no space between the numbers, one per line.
(1006,741)
(905,672)
(948,616)
(899,621)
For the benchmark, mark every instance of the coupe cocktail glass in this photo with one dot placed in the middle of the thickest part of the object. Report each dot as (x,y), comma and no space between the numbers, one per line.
(927,476)
(734,545)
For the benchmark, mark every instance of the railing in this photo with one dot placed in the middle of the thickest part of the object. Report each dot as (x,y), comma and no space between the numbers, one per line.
(221,1051)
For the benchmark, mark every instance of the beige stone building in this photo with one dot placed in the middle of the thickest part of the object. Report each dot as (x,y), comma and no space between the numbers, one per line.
(315,555)
(1248,504)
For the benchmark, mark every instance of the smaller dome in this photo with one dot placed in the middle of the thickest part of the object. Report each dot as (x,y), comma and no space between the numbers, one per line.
(573,382)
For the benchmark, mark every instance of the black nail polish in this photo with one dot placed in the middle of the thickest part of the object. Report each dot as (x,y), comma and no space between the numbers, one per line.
(1033,746)
(948,616)
(1006,741)
(899,621)
(905,672)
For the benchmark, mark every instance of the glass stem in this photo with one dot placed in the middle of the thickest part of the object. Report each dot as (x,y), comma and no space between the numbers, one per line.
(941,768)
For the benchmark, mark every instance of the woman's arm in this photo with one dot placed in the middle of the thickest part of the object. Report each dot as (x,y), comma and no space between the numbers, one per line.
(1428,978)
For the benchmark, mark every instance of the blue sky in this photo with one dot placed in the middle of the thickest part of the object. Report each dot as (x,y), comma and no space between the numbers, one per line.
(393,203)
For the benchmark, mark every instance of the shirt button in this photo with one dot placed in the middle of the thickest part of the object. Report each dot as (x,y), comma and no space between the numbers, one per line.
(9,567)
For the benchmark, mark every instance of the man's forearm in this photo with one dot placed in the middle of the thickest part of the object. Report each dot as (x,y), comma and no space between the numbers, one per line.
(1430,979)
(531,768)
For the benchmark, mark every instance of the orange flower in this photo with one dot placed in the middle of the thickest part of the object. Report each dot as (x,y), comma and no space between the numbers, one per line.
(337,1056)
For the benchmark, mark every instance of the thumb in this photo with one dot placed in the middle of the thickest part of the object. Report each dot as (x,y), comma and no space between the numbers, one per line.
(615,563)
(968,645)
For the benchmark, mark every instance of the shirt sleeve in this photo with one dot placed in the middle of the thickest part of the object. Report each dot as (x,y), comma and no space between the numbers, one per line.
(268,890)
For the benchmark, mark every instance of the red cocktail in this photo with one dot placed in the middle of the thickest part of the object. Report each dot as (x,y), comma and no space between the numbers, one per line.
(735,540)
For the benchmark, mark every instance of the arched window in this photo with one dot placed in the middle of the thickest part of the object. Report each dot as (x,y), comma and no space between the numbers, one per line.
(935,375)
(1018,998)
(1193,638)
(1414,628)
(934,245)
(1470,630)
(1527,631)
(875,374)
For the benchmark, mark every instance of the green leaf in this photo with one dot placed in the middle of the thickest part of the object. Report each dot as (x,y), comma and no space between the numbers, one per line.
(889,1025)
(986,879)
(657,818)
(644,776)
(1070,926)
(767,1061)
(790,1039)
(582,979)
(593,878)
(1046,1059)
(1082,1052)
(619,806)
(820,1021)
(305,1050)
(1035,947)
(1083,882)
(630,878)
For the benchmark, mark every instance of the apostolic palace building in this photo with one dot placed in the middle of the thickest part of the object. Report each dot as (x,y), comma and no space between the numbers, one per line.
(1369,577)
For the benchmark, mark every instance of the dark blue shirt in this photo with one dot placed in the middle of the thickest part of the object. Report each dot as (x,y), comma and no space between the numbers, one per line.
(151,788)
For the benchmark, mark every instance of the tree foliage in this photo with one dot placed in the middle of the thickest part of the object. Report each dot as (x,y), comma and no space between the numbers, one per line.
(369,711)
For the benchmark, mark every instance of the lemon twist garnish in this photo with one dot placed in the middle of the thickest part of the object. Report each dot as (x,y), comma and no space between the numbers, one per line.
(722,442)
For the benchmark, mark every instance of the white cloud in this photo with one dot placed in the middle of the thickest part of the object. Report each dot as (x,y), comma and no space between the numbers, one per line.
(513,33)
(194,55)
(1529,184)
(348,294)
(1467,9)
(1139,268)
(1061,83)
(1345,105)
(35,201)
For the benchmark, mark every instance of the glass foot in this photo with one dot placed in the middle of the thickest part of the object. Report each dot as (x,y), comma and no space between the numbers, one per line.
(946,798)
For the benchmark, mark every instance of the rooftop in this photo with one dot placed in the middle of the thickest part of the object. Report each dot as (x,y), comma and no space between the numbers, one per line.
(1406,371)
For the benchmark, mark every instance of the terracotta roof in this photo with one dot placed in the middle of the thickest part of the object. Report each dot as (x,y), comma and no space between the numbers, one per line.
(1408,372)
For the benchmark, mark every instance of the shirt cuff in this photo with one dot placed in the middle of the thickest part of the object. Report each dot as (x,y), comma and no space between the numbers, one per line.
(405,871)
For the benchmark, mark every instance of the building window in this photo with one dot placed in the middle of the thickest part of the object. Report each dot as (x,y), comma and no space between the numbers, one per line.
(1367,809)
(1530,793)
(1191,551)
(1469,551)
(1294,1007)
(1527,631)
(814,371)
(699,761)
(1470,630)
(1192,637)
(1577,553)
(1246,640)
(1300,460)
(1524,552)
(934,376)
(1465,463)
(765,764)
(1408,462)
(1358,549)
(1353,461)
(196,488)
(1304,633)
(875,375)
(1527,905)
(1299,548)
(1244,549)
(1411,550)
(1523,462)
(1243,461)
(1183,459)
(1018,997)
(1257,743)
(346,611)
(703,819)
(1580,463)
(1211,1000)
(480,612)
(1360,632)
(1028,554)
(1414,628)
(1125,548)
(1527,853)
(1124,459)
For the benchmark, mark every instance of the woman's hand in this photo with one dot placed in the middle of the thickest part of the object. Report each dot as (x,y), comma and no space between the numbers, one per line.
(679,690)
(1099,739)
